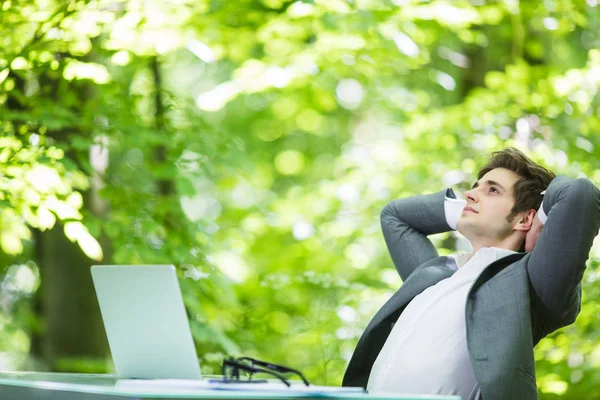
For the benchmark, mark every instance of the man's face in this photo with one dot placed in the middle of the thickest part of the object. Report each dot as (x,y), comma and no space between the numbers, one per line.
(489,202)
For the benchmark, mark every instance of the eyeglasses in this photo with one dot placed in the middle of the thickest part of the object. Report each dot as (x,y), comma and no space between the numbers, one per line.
(232,366)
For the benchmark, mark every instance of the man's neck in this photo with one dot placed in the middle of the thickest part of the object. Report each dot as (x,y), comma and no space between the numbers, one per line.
(509,243)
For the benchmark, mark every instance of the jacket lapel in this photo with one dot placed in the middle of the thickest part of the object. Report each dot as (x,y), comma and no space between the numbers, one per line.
(499,330)
(378,330)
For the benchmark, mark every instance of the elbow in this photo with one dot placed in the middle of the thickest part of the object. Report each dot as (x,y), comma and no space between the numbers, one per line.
(572,311)
(587,191)
(388,211)
(571,316)
(583,197)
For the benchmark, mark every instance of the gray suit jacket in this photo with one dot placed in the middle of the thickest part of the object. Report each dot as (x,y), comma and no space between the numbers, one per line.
(513,303)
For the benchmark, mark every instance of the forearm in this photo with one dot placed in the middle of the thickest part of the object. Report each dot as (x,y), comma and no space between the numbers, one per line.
(406,223)
(559,258)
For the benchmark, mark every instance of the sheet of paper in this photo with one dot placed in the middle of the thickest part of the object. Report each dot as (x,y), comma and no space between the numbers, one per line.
(193,385)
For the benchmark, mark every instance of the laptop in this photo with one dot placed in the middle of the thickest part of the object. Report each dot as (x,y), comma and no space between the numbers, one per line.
(145,321)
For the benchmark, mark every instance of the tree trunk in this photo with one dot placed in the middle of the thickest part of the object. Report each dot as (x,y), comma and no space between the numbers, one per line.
(164,186)
(74,339)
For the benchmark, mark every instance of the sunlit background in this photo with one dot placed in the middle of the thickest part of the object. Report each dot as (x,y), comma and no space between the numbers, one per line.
(253,145)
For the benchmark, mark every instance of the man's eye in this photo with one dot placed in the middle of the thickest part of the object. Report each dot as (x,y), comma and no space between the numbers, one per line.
(494,190)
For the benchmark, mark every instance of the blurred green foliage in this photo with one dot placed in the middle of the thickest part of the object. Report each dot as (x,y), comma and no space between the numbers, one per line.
(253,144)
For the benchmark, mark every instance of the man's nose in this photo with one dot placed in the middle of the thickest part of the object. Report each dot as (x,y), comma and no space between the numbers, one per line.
(471,195)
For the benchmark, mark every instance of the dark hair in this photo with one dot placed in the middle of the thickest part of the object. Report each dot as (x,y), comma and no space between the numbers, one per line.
(533,180)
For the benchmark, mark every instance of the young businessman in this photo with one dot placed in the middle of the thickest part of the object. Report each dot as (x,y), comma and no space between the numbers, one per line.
(467,324)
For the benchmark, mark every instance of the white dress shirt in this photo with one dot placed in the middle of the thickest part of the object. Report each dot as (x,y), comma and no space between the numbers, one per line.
(426,351)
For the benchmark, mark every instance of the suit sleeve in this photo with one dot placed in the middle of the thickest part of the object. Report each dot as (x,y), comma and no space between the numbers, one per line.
(558,261)
(406,223)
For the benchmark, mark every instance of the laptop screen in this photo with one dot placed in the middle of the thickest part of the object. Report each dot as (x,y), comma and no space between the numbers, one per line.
(145,320)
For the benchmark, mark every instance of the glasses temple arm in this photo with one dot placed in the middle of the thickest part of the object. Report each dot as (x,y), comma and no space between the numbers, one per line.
(253,369)
(276,367)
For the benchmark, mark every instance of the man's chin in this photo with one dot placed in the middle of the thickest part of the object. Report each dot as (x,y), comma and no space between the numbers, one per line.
(465,228)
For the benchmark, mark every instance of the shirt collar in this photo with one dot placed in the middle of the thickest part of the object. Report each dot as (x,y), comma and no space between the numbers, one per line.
(495,253)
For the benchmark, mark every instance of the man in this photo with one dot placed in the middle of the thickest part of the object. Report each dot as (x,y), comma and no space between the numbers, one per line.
(467,324)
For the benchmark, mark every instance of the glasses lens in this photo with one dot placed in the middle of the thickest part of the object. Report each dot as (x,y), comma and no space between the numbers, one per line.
(230,372)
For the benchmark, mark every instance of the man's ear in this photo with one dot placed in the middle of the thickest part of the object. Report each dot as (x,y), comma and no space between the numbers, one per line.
(525,220)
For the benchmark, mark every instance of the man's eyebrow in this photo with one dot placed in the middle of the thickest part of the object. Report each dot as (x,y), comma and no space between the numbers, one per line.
(489,182)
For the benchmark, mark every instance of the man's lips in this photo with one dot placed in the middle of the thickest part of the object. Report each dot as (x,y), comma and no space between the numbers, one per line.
(471,209)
